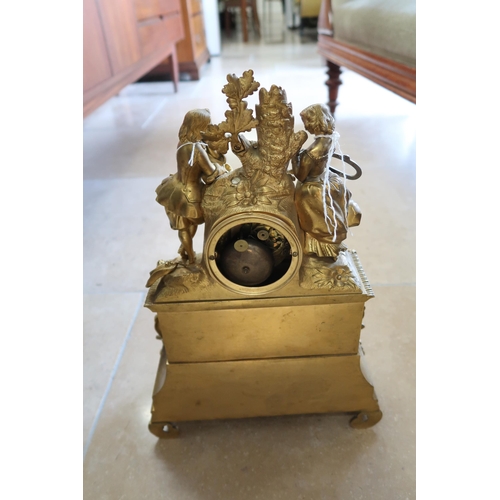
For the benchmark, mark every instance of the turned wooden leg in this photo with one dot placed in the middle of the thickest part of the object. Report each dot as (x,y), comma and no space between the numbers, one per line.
(244,19)
(227,21)
(333,84)
(174,68)
(255,17)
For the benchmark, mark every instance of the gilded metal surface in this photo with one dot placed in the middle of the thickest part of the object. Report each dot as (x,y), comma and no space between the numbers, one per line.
(260,330)
(316,208)
(202,282)
(267,387)
(316,274)
(284,245)
(267,319)
(197,166)
(365,419)
(321,198)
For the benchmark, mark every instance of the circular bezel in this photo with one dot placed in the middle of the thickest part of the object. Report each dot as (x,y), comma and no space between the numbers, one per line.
(225,225)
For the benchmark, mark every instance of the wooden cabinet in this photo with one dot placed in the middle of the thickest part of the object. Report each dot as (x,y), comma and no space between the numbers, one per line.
(123,40)
(120,32)
(192,51)
(96,64)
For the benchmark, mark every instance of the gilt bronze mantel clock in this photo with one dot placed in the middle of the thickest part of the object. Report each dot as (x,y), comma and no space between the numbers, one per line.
(266,320)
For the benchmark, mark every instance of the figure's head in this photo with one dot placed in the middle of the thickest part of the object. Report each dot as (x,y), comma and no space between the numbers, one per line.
(220,146)
(318,120)
(195,122)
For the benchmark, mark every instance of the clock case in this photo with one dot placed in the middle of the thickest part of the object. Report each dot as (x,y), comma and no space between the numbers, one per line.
(287,345)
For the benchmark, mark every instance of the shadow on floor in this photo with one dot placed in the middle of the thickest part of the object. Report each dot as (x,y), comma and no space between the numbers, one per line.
(309,456)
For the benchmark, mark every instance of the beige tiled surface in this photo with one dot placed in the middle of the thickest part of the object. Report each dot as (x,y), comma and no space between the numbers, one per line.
(107,320)
(128,149)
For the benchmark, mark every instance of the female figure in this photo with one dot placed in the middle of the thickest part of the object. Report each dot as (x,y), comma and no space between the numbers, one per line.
(321,198)
(181,193)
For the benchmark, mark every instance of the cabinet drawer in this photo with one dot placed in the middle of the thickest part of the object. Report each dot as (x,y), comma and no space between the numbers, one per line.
(146,9)
(159,32)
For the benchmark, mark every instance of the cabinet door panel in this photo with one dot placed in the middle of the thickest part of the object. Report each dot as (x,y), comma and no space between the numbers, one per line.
(171,5)
(158,32)
(174,27)
(96,67)
(120,28)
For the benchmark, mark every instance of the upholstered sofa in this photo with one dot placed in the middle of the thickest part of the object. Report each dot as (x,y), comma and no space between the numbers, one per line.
(375,38)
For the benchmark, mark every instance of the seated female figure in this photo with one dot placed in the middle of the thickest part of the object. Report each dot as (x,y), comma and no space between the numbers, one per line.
(321,198)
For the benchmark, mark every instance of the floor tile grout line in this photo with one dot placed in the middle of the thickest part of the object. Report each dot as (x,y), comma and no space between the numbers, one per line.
(113,374)
(154,113)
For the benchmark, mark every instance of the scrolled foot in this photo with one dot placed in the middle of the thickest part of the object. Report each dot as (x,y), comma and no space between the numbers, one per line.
(164,430)
(365,419)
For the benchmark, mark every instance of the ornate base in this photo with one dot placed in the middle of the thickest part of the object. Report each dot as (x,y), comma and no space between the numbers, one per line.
(259,388)
(294,351)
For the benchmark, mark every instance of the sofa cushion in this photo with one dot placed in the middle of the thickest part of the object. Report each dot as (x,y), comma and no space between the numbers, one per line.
(310,8)
(383,27)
